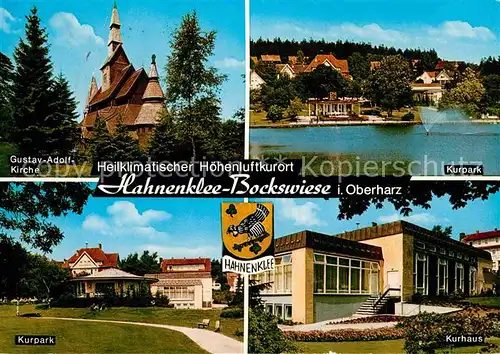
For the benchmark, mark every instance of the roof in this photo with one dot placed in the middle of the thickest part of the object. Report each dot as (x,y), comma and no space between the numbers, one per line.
(181,275)
(481,235)
(97,254)
(114,274)
(254,59)
(123,75)
(442,63)
(374,65)
(112,115)
(432,74)
(129,83)
(149,114)
(299,68)
(166,263)
(118,49)
(178,282)
(270,57)
(320,59)
(327,243)
(404,227)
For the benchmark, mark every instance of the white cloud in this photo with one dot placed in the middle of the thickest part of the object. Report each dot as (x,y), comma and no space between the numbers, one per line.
(123,219)
(6,20)
(417,218)
(71,32)
(230,63)
(371,31)
(460,29)
(179,252)
(301,215)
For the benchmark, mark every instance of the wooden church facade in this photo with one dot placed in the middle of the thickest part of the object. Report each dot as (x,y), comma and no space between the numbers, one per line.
(126,94)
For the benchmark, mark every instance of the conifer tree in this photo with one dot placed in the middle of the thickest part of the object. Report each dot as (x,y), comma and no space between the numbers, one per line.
(164,144)
(6,76)
(125,148)
(32,102)
(100,144)
(61,124)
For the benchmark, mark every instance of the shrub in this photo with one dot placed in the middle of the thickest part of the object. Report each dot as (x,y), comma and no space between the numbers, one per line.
(232,312)
(372,112)
(408,117)
(417,298)
(222,296)
(265,336)
(427,332)
(275,113)
(42,307)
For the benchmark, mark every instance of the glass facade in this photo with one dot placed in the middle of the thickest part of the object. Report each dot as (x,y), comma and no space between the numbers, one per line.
(177,292)
(280,279)
(341,275)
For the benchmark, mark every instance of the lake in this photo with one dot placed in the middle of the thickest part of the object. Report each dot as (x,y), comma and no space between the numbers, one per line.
(410,145)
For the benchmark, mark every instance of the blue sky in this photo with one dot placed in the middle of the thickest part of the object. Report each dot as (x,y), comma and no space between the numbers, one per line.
(78,27)
(293,215)
(187,227)
(457,29)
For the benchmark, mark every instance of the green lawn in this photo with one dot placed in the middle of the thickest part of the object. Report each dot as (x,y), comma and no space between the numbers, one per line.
(386,347)
(82,337)
(485,301)
(168,316)
(6,150)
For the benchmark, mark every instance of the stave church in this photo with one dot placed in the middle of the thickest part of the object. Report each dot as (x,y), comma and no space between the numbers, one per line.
(127,94)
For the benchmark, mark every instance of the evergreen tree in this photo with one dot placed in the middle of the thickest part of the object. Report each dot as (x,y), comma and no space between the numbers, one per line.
(6,76)
(164,142)
(61,126)
(192,85)
(32,93)
(125,148)
(101,143)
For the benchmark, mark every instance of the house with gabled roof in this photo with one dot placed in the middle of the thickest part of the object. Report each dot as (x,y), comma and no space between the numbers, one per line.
(329,60)
(187,282)
(427,77)
(270,58)
(131,95)
(285,70)
(90,260)
(488,241)
(256,81)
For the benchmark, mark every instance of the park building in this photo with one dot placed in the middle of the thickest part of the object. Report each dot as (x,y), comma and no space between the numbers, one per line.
(318,277)
(131,95)
(488,241)
(187,282)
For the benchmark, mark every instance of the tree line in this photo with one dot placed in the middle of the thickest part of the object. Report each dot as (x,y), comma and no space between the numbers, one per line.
(341,49)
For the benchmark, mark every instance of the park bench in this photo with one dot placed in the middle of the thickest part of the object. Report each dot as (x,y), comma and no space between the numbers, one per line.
(217,326)
(204,324)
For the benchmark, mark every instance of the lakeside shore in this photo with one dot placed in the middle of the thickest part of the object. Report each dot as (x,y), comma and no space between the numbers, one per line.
(361,123)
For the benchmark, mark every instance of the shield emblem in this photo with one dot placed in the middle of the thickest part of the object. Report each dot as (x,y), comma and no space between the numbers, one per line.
(247,230)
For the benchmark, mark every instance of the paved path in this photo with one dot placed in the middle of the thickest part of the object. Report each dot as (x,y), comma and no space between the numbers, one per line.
(210,341)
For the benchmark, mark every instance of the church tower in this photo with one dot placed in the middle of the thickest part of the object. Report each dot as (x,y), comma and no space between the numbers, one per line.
(115,37)
(92,91)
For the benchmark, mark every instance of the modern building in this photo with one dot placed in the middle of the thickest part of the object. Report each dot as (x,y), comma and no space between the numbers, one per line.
(319,277)
(98,284)
(187,282)
(132,96)
(488,241)
(427,92)
(334,107)
(88,261)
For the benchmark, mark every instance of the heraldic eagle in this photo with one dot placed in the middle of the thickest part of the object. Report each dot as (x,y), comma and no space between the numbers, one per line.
(252,224)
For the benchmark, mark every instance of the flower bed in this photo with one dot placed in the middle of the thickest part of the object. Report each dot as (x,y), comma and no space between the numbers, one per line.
(343,335)
(371,319)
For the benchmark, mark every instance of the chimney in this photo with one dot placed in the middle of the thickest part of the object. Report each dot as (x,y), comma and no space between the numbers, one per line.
(100,246)
(86,244)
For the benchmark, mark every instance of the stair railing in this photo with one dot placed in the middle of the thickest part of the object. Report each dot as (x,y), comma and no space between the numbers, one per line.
(383,295)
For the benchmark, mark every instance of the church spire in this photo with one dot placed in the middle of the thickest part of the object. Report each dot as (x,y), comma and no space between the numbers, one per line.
(153,91)
(92,91)
(115,37)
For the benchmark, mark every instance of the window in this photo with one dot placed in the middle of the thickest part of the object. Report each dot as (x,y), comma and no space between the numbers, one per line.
(459,277)
(421,273)
(177,292)
(335,275)
(288,312)
(472,280)
(443,276)
(102,288)
(280,278)
(269,308)
(278,310)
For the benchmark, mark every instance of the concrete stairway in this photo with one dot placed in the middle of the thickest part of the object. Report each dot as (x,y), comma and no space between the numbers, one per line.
(368,308)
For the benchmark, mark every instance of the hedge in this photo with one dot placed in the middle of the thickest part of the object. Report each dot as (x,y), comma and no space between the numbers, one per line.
(346,335)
